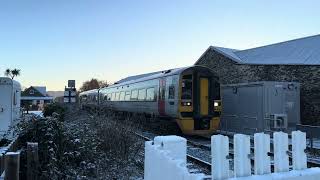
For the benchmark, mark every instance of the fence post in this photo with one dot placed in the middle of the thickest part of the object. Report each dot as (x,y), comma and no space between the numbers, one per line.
(1,162)
(299,157)
(12,164)
(281,157)
(32,161)
(177,146)
(242,161)
(261,158)
(219,153)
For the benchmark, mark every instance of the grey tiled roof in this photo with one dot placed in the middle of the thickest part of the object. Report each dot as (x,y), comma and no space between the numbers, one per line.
(303,51)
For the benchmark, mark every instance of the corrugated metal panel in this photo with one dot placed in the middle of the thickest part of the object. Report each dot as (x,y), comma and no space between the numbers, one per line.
(252,107)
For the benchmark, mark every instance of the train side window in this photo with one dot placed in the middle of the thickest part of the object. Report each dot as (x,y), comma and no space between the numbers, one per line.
(127,96)
(117,96)
(171,91)
(122,94)
(113,96)
(134,94)
(142,94)
(105,97)
(150,94)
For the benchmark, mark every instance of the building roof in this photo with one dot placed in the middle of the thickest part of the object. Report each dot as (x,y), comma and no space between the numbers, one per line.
(303,51)
(34,92)
(41,89)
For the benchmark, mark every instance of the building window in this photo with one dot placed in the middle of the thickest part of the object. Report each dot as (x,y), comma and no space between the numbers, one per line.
(31,91)
(150,94)
(142,94)
(134,94)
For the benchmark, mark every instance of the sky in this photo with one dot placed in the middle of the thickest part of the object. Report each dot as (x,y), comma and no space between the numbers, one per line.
(53,41)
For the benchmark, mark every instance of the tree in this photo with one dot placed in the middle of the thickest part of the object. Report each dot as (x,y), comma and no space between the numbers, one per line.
(93,84)
(12,73)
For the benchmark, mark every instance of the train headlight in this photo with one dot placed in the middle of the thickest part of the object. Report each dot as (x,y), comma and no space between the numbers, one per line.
(186,103)
(216,104)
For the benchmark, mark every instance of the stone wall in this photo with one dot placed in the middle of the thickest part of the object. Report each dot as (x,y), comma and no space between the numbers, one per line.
(309,76)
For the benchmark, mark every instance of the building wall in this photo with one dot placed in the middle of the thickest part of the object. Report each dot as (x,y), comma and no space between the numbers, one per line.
(309,76)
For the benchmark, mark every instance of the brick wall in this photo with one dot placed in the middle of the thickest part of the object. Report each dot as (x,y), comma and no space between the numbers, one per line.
(309,76)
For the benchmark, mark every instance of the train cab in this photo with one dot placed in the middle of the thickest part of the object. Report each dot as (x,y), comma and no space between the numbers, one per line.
(199,111)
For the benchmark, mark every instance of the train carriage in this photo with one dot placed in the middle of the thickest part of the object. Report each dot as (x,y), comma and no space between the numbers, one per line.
(189,95)
(89,98)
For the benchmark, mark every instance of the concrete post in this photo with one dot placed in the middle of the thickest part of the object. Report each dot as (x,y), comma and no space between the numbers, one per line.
(219,154)
(242,162)
(261,158)
(281,157)
(299,157)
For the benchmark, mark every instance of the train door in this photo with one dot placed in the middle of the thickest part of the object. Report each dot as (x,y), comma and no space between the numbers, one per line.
(5,107)
(161,102)
(171,97)
(204,96)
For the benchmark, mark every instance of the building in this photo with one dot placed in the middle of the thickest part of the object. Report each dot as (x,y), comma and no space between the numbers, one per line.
(295,60)
(36,97)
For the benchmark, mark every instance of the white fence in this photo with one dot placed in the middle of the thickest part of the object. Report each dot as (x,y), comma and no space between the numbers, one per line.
(165,158)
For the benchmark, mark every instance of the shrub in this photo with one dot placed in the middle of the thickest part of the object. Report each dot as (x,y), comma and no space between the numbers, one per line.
(50,109)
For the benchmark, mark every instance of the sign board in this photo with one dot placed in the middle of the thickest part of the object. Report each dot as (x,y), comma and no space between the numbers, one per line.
(71,83)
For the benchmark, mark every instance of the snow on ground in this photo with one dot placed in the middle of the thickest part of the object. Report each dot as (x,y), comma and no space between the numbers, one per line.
(37,113)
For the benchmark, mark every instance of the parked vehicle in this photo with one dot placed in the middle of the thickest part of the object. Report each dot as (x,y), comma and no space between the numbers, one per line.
(10,94)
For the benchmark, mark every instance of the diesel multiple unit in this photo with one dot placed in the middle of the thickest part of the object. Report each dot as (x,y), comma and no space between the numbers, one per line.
(190,96)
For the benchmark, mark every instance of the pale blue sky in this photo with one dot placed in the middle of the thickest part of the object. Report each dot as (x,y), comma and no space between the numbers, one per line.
(53,41)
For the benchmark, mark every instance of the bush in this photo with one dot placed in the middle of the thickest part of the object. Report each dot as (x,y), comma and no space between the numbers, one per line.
(51,137)
(50,109)
(83,146)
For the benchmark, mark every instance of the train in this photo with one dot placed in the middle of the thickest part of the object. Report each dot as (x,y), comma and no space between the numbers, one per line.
(190,96)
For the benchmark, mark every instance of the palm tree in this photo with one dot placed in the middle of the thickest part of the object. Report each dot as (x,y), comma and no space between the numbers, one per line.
(12,73)
(15,72)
